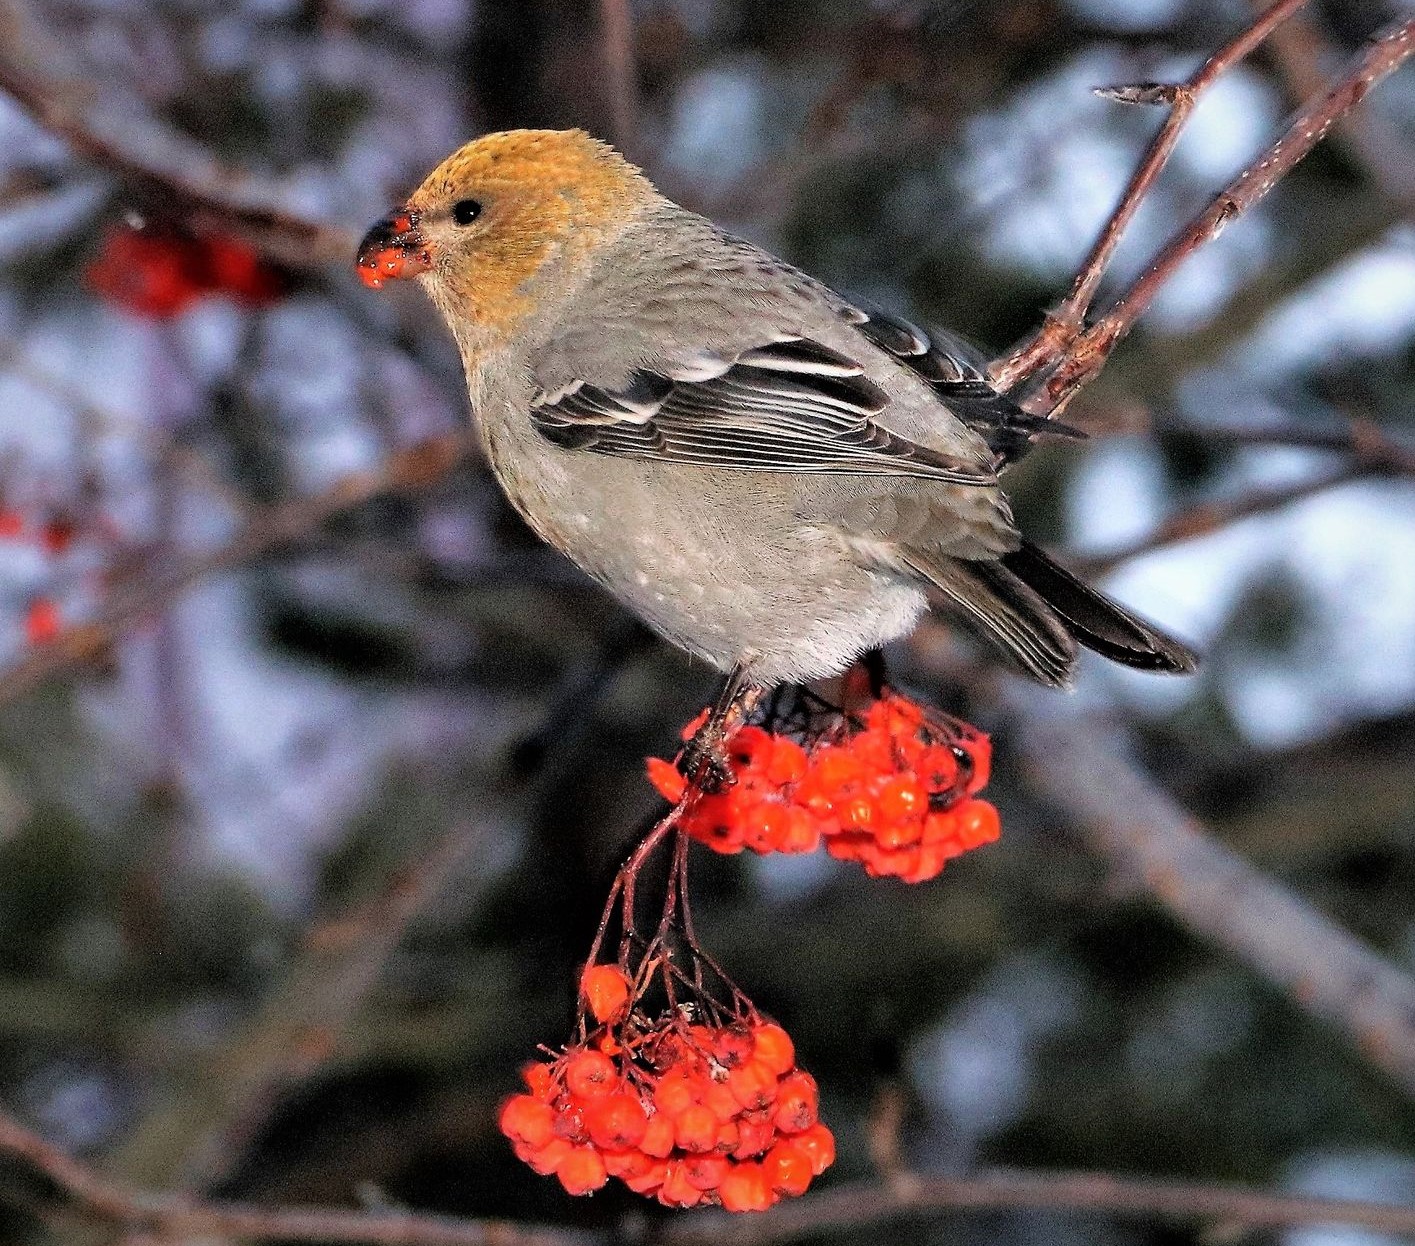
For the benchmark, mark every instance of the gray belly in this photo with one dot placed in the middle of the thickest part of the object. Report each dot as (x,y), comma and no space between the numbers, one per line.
(719,563)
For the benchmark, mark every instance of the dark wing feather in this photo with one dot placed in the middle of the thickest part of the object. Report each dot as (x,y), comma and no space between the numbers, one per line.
(784,406)
(948,364)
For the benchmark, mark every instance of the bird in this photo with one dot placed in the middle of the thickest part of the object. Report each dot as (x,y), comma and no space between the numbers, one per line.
(775,477)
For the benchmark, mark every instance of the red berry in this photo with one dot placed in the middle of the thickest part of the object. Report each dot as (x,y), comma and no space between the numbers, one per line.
(753,1085)
(796,1103)
(819,1144)
(667,778)
(788,763)
(524,1118)
(977,823)
(646,1178)
(788,1168)
(582,1171)
(773,1047)
(658,1139)
(676,1190)
(616,1121)
(42,621)
(754,1134)
(745,1188)
(605,990)
(546,1159)
(589,1074)
(706,1172)
(695,1129)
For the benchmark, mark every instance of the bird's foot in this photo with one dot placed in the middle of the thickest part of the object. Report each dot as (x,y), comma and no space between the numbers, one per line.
(704,761)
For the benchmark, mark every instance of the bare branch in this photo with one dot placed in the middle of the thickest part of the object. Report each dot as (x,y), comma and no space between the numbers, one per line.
(1206,518)
(203,1131)
(1156,846)
(417,467)
(1088,353)
(1063,326)
(211,198)
(617,41)
(855,1206)
(1077,353)
(862,1205)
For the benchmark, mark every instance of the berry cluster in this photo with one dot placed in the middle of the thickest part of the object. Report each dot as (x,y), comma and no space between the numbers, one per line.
(52,535)
(158,271)
(688,1113)
(893,790)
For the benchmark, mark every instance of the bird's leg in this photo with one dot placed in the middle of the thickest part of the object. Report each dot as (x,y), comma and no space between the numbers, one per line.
(703,761)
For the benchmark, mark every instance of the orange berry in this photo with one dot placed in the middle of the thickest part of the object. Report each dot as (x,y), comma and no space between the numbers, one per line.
(666,778)
(819,1144)
(797,1102)
(42,621)
(676,1190)
(658,1139)
(859,811)
(728,1137)
(589,1074)
(718,1097)
(928,863)
(732,1044)
(753,1084)
(546,1159)
(527,1119)
(788,763)
(605,990)
(675,1092)
(773,1047)
(753,1136)
(696,725)
(696,1128)
(745,1188)
(616,1121)
(705,1172)
(539,1079)
(646,1178)
(979,750)
(788,1168)
(802,833)
(582,1171)
(978,823)
(902,797)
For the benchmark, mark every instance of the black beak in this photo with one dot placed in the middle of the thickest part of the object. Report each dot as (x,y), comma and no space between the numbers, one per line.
(393,248)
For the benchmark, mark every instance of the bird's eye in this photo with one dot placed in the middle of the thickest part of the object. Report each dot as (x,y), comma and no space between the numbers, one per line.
(465,211)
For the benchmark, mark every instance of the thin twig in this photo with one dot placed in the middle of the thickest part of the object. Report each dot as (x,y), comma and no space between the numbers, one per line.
(1153,844)
(204,1130)
(64,107)
(1206,518)
(617,44)
(1085,357)
(914,1195)
(420,466)
(1062,326)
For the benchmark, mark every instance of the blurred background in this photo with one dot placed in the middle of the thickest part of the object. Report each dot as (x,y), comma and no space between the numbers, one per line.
(301,846)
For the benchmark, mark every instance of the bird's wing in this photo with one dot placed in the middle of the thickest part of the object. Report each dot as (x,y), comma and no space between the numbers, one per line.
(785,405)
(951,368)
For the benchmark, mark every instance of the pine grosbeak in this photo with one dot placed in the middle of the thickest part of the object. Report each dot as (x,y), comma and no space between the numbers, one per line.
(773,476)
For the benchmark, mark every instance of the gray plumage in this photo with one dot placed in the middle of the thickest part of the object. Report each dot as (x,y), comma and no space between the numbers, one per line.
(768,473)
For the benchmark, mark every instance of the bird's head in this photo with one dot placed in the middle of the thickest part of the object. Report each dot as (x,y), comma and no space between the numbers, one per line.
(503,216)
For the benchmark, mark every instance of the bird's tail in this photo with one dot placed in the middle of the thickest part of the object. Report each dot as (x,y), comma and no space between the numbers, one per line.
(1035,612)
